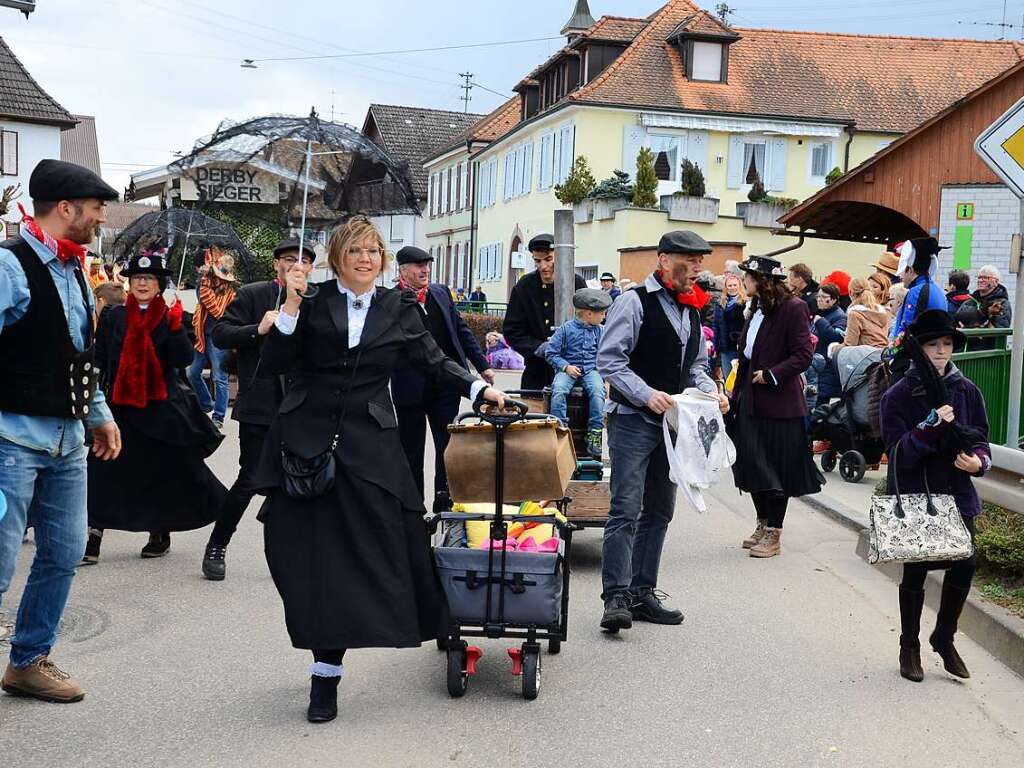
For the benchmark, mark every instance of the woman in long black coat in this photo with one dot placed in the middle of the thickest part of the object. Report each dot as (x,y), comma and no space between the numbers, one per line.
(352,566)
(160,482)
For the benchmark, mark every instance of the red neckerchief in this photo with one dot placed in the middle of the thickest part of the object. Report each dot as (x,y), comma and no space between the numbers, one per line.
(63,249)
(695,297)
(421,294)
(140,377)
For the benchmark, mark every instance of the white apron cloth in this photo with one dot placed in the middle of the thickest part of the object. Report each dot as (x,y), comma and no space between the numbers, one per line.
(698,448)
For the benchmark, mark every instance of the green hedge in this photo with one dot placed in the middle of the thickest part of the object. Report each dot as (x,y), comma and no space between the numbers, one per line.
(1000,540)
(481,324)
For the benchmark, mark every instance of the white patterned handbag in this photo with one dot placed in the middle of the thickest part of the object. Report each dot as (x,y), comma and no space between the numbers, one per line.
(917,528)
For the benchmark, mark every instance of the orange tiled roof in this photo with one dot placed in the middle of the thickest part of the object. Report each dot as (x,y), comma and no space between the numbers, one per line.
(887,84)
(615,28)
(703,23)
(491,126)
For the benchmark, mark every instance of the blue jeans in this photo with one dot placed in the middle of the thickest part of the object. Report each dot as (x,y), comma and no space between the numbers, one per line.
(643,500)
(48,493)
(592,384)
(215,357)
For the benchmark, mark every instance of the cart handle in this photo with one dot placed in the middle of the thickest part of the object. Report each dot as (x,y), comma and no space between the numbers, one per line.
(513,411)
(464,517)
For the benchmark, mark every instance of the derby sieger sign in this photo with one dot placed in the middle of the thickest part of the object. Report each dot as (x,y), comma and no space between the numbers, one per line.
(229,185)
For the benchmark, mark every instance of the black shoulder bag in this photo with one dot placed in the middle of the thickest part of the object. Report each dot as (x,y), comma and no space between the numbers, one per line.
(308,479)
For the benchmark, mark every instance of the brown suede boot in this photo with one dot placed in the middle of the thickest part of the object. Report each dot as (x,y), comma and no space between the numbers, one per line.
(44,680)
(769,545)
(755,537)
(953,599)
(911,602)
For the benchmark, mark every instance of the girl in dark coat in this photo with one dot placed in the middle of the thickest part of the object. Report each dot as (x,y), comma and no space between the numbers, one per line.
(353,565)
(160,482)
(773,456)
(729,321)
(947,444)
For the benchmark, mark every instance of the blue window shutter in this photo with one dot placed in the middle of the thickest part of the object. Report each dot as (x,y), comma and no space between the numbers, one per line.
(633,138)
(734,163)
(697,150)
(777,182)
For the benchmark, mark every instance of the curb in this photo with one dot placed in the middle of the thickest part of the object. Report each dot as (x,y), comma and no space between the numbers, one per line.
(991,626)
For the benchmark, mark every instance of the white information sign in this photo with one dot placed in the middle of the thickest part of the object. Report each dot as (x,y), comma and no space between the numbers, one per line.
(1001,146)
(229,185)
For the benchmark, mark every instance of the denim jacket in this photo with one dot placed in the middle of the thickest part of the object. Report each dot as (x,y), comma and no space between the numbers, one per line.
(54,435)
(574,343)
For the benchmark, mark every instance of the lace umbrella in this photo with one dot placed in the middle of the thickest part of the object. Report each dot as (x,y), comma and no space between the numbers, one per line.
(331,169)
(183,231)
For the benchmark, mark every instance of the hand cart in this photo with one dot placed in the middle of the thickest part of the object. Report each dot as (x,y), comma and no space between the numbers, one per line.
(498,593)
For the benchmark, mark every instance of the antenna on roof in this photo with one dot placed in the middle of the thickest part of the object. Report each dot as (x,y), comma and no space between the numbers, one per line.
(1003,25)
(723,11)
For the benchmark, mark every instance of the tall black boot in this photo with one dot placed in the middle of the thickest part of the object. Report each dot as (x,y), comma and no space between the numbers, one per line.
(911,603)
(323,699)
(953,599)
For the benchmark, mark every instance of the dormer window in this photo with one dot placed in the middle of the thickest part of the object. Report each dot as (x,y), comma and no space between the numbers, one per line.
(703,43)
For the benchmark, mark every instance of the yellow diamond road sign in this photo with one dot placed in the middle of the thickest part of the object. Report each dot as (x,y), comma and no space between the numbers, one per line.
(1001,146)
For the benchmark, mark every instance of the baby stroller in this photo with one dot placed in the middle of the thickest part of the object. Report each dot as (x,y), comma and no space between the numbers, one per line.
(844,422)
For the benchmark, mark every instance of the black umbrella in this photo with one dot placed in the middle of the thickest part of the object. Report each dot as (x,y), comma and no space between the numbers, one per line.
(183,231)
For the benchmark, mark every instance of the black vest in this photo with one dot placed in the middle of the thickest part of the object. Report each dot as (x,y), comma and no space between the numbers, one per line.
(659,357)
(43,374)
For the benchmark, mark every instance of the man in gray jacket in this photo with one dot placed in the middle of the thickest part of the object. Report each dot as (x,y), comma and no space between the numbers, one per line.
(652,348)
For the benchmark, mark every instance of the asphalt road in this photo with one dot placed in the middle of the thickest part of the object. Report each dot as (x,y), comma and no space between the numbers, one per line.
(786,662)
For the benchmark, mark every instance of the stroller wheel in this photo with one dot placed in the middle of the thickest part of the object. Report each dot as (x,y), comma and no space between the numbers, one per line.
(852,467)
(531,672)
(458,680)
(554,646)
(828,460)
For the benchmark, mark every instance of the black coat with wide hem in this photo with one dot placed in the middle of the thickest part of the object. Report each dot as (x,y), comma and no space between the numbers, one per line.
(160,481)
(353,567)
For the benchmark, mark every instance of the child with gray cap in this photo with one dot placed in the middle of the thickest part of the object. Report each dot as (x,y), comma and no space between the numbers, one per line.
(572,352)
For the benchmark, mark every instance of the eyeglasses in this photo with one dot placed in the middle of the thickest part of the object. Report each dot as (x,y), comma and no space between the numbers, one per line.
(371,252)
(291,260)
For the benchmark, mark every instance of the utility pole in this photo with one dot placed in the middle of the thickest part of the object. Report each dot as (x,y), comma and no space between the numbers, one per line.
(467,86)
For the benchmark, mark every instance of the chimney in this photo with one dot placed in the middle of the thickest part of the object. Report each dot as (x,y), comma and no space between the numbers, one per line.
(581,21)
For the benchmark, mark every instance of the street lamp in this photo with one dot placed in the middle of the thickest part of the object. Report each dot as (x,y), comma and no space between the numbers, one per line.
(246,63)
(25,6)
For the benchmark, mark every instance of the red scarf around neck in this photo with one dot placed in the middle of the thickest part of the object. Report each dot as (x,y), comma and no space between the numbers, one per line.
(695,297)
(421,294)
(140,377)
(65,250)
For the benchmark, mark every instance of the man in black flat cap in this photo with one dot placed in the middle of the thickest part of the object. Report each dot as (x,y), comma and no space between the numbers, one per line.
(244,327)
(653,348)
(48,398)
(530,315)
(417,401)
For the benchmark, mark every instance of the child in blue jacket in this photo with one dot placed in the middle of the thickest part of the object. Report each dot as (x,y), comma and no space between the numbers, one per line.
(572,352)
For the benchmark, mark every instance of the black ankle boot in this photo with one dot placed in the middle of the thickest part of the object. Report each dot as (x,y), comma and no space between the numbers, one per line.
(911,603)
(323,699)
(953,599)
(214,565)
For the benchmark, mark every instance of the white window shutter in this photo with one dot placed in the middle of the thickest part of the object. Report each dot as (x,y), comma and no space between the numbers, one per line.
(697,150)
(734,164)
(528,169)
(567,150)
(544,171)
(777,165)
(492,181)
(464,188)
(506,188)
(633,138)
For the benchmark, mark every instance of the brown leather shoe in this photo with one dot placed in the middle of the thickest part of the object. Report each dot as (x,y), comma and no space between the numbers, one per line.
(44,680)
(769,545)
(755,537)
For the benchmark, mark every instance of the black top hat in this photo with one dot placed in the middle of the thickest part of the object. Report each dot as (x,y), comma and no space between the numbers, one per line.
(934,324)
(148,263)
(763,265)
(542,242)
(410,254)
(292,244)
(56,180)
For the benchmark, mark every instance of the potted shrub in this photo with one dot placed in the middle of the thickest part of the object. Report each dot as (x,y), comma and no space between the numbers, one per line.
(576,190)
(690,203)
(645,191)
(763,210)
(611,195)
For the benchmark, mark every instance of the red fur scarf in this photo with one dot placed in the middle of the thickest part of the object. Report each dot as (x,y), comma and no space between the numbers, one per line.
(140,377)
(695,297)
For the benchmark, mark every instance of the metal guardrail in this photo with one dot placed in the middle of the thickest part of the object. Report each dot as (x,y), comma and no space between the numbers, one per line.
(1004,483)
(989,369)
(493,308)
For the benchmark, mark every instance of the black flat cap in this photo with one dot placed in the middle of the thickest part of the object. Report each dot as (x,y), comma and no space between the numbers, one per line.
(683,242)
(292,244)
(56,180)
(410,254)
(542,242)
(591,298)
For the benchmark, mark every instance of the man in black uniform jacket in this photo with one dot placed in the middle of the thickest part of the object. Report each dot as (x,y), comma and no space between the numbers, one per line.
(418,401)
(244,326)
(530,315)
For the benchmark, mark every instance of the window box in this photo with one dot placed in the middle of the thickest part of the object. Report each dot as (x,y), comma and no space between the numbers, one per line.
(682,207)
(606,207)
(583,212)
(760,214)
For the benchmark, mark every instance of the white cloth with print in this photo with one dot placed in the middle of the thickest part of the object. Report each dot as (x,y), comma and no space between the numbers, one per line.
(698,448)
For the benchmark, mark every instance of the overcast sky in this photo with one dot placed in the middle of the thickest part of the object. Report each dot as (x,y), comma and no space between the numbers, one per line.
(157,74)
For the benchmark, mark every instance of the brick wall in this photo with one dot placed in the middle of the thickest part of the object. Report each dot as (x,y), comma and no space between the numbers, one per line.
(996,220)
